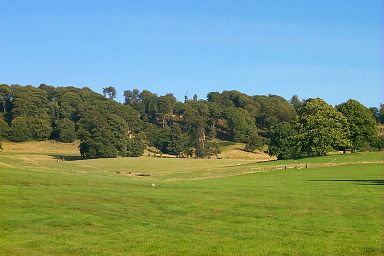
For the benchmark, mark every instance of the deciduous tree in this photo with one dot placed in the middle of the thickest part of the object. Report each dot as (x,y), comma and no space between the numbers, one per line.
(361,124)
(321,128)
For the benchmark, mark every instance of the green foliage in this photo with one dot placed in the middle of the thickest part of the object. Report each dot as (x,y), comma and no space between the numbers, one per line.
(195,121)
(96,137)
(381,113)
(132,98)
(148,104)
(4,129)
(283,141)
(41,127)
(5,101)
(320,128)
(375,114)
(28,101)
(273,110)
(159,138)
(135,147)
(361,124)
(178,141)
(69,105)
(296,103)
(254,141)
(179,128)
(119,132)
(212,148)
(170,140)
(66,130)
(109,92)
(241,126)
(20,129)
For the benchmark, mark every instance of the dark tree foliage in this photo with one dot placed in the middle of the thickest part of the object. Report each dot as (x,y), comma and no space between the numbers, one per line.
(66,130)
(296,103)
(188,128)
(132,98)
(381,114)
(241,126)
(195,121)
(283,141)
(212,149)
(28,101)
(41,127)
(4,129)
(165,106)
(96,136)
(69,104)
(119,130)
(51,92)
(255,141)
(361,124)
(375,113)
(135,147)
(178,143)
(321,128)
(5,101)
(379,142)
(109,92)
(160,138)
(20,129)
(274,110)
(318,129)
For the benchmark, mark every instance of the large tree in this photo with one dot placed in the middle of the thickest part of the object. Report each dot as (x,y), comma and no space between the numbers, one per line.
(361,124)
(321,128)
(195,121)
(283,141)
(96,136)
(109,92)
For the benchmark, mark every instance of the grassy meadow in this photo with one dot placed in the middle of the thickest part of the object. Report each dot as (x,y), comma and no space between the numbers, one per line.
(53,203)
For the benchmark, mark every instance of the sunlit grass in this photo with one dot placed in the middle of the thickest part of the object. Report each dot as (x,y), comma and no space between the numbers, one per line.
(52,207)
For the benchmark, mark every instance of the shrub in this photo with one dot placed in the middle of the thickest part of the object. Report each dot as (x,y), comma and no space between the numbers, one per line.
(135,147)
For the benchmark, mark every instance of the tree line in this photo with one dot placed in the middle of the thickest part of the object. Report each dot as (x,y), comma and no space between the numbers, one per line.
(192,128)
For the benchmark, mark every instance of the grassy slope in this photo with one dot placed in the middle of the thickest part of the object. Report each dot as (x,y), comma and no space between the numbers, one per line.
(85,208)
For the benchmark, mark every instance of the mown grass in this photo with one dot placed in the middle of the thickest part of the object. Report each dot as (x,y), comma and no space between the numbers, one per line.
(85,208)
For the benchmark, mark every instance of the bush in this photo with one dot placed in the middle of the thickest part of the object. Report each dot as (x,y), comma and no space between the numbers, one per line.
(135,147)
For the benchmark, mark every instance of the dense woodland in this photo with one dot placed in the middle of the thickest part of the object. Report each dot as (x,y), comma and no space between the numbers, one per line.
(193,128)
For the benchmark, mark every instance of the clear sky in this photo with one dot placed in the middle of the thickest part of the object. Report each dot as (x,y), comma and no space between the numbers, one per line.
(332,49)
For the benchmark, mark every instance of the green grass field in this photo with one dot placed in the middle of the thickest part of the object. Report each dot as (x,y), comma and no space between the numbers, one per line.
(198,207)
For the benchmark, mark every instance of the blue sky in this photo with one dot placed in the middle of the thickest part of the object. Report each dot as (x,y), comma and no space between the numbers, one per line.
(328,49)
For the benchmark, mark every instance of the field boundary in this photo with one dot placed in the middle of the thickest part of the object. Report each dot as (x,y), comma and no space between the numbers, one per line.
(287,167)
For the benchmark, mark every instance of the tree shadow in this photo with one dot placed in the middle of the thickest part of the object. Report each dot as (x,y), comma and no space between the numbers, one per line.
(67,157)
(359,182)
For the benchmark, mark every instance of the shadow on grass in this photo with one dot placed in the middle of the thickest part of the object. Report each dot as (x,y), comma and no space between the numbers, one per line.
(359,182)
(67,158)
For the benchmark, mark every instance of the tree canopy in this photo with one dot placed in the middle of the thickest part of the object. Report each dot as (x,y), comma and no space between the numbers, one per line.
(107,128)
(361,124)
